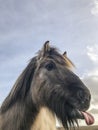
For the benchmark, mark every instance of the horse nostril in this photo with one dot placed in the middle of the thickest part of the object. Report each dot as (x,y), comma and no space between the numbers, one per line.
(80,94)
(83,96)
(88,97)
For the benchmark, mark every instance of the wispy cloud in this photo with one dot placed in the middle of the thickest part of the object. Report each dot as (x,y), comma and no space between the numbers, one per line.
(94,10)
(91,81)
(94,73)
(92,52)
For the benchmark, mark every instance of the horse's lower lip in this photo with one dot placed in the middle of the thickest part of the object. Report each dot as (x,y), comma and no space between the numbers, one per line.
(80,115)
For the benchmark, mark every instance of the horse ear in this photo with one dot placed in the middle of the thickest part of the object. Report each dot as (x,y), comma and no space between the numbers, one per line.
(46,47)
(68,61)
(65,53)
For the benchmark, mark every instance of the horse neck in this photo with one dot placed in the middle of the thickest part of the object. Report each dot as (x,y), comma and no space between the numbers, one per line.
(45,120)
(20,116)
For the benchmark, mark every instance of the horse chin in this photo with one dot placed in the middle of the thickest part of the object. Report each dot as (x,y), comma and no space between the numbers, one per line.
(80,114)
(76,114)
(71,117)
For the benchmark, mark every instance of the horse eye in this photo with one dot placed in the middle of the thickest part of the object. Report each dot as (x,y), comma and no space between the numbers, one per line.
(50,66)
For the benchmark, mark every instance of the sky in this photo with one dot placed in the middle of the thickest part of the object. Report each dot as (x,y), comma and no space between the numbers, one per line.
(70,25)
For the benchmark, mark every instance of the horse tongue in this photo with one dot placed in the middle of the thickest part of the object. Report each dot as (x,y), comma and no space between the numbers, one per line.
(89,119)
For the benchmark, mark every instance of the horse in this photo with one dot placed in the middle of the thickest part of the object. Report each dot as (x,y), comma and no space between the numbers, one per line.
(46,88)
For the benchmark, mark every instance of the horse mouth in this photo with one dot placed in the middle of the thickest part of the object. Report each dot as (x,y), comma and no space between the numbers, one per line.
(89,119)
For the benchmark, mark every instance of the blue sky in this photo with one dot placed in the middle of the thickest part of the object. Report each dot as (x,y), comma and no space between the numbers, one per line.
(70,25)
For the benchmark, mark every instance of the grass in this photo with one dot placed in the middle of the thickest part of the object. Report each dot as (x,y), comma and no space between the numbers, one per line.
(84,128)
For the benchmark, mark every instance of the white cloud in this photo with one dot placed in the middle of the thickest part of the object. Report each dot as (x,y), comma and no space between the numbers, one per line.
(91,81)
(94,10)
(92,76)
(92,52)
(94,73)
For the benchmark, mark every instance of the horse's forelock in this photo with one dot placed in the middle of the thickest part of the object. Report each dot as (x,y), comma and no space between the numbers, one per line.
(54,54)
